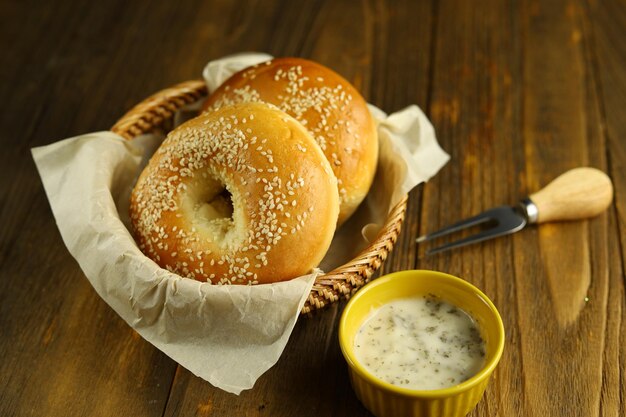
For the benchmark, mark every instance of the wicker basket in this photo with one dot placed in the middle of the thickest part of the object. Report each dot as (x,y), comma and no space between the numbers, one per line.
(158,110)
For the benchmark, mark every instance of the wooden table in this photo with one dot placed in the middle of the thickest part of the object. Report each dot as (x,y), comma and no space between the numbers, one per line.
(518,92)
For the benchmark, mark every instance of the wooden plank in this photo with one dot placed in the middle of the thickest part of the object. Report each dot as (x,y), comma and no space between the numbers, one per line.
(479,112)
(563,279)
(475,107)
(402,73)
(605,24)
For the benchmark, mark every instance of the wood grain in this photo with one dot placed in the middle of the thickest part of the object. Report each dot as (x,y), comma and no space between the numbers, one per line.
(518,91)
(569,283)
(605,24)
(65,352)
(394,93)
(476,109)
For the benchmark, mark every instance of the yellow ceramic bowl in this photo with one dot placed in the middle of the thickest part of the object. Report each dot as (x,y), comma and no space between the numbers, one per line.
(387,400)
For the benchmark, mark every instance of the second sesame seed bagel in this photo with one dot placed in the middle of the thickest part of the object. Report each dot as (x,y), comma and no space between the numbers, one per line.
(242,195)
(327,105)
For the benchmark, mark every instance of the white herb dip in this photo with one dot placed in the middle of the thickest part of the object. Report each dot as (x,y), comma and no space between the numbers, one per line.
(420,343)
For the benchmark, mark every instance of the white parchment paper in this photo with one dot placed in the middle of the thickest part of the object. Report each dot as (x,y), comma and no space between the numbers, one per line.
(227,335)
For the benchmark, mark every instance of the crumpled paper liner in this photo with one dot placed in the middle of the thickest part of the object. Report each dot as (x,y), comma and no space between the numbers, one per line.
(227,335)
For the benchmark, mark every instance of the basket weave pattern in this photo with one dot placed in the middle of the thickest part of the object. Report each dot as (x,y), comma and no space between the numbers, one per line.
(159,108)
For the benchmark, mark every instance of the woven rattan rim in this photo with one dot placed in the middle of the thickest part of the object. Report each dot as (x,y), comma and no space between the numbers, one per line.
(328,288)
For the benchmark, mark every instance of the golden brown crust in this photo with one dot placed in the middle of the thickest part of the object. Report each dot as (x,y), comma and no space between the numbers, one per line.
(284,198)
(330,108)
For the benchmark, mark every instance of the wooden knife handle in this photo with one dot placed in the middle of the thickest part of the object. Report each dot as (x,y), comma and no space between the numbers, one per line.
(576,194)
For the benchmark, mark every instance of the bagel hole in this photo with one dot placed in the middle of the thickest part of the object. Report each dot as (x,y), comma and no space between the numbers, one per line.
(215,205)
(222,205)
(214,211)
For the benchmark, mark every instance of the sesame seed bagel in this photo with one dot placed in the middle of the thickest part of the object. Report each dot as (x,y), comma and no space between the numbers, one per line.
(327,105)
(242,195)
